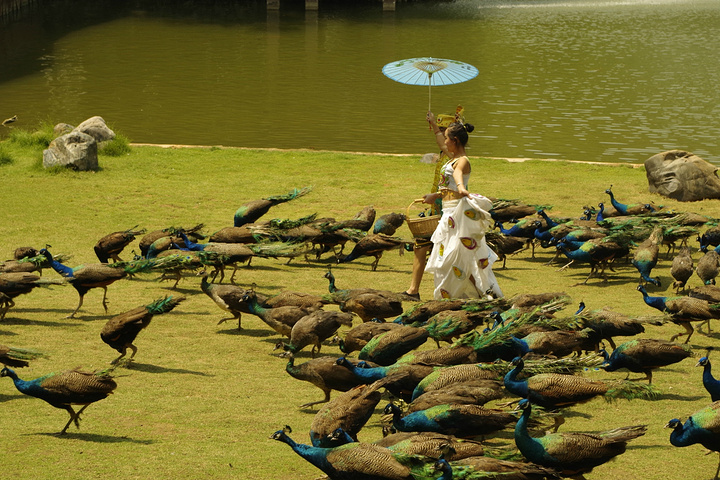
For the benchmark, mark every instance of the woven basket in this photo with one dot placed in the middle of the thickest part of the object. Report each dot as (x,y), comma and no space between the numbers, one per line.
(421,227)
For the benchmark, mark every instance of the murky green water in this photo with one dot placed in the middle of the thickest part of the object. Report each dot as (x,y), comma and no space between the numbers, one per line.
(601,80)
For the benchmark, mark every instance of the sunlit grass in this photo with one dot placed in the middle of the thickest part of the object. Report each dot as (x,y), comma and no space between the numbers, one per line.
(201,399)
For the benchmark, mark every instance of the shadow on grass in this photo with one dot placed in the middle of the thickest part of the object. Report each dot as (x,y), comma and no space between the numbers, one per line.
(684,398)
(248,332)
(95,438)
(23,321)
(149,368)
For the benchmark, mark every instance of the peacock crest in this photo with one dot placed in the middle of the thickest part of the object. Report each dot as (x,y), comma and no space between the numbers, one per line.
(469,243)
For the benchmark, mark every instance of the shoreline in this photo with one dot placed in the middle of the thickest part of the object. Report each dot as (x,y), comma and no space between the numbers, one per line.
(507,159)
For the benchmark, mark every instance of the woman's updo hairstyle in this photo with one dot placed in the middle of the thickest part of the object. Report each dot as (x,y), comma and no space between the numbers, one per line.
(458,132)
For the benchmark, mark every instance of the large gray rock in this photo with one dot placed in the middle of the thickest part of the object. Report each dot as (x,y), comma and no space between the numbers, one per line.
(96,128)
(682,175)
(74,150)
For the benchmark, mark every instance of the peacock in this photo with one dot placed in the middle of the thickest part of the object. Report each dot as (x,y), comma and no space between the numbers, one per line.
(710,238)
(389,223)
(432,444)
(418,314)
(472,392)
(14,284)
(149,238)
(643,355)
(557,343)
(97,275)
(682,269)
(349,411)
(356,460)
(683,310)
(553,391)
(374,245)
(634,209)
(251,211)
(646,256)
(324,373)
(407,375)
(65,389)
(361,222)
(313,328)
(711,384)
(708,267)
(608,323)
(504,210)
(18,357)
(572,454)
(701,427)
(483,467)
(452,419)
(598,252)
(450,324)
(443,377)
(524,229)
(120,331)
(111,245)
(31,262)
(504,245)
(385,348)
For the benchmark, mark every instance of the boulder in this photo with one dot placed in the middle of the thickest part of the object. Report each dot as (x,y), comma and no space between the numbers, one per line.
(74,150)
(96,128)
(682,176)
(62,129)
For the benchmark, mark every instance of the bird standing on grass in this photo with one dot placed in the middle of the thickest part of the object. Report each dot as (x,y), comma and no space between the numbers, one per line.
(702,427)
(253,210)
(711,384)
(646,256)
(682,269)
(65,389)
(111,245)
(572,454)
(643,355)
(120,331)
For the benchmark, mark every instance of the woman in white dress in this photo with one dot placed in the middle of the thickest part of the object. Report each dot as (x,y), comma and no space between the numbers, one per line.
(461,261)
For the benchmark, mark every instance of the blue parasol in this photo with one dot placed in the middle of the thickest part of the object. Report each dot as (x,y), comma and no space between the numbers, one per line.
(429,71)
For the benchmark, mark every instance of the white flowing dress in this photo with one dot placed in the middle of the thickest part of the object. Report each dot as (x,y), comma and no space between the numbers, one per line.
(460,251)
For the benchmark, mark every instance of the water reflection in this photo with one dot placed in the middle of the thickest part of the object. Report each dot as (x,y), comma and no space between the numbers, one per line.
(599,80)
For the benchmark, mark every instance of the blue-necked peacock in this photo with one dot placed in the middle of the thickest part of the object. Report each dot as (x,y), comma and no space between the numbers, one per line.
(701,427)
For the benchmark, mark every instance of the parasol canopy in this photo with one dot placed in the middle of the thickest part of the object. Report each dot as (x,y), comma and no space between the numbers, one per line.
(429,71)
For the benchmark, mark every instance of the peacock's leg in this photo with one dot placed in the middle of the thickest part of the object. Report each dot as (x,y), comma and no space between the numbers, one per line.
(73,416)
(134,351)
(104,301)
(72,315)
(122,354)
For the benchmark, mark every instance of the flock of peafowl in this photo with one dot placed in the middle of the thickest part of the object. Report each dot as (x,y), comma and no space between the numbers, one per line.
(458,388)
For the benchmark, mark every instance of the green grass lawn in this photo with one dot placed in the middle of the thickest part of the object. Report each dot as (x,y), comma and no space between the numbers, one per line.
(201,399)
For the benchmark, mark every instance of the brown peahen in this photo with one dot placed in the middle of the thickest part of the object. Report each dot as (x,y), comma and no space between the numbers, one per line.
(708,267)
(324,373)
(120,331)
(643,355)
(358,336)
(389,223)
(572,454)
(111,245)
(229,298)
(314,328)
(372,305)
(280,319)
(65,389)
(682,269)
(19,283)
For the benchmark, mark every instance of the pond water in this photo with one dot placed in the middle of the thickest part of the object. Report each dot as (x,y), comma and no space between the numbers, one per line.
(597,80)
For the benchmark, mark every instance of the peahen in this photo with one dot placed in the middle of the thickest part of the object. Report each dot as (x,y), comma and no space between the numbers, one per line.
(572,454)
(554,391)
(683,310)
(711,384)
(708,267)
(374,245)
(701,427)
(65,389)
(251,211)
(14,284)
(280,319)
(634,209)
(324,373)
(356,460)
(18,357)
(389,223)
(228,298)
(643,355)
(682,269)
(646,256)
(452,419)
(358,336)
(120,331)
(96,275)
(111,245)
(313,328)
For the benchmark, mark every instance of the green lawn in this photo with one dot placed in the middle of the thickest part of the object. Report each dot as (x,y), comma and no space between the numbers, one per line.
(201,399)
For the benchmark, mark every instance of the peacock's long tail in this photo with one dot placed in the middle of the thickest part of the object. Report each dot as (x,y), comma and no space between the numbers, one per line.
(632,390)
(164,305)
(295,193)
